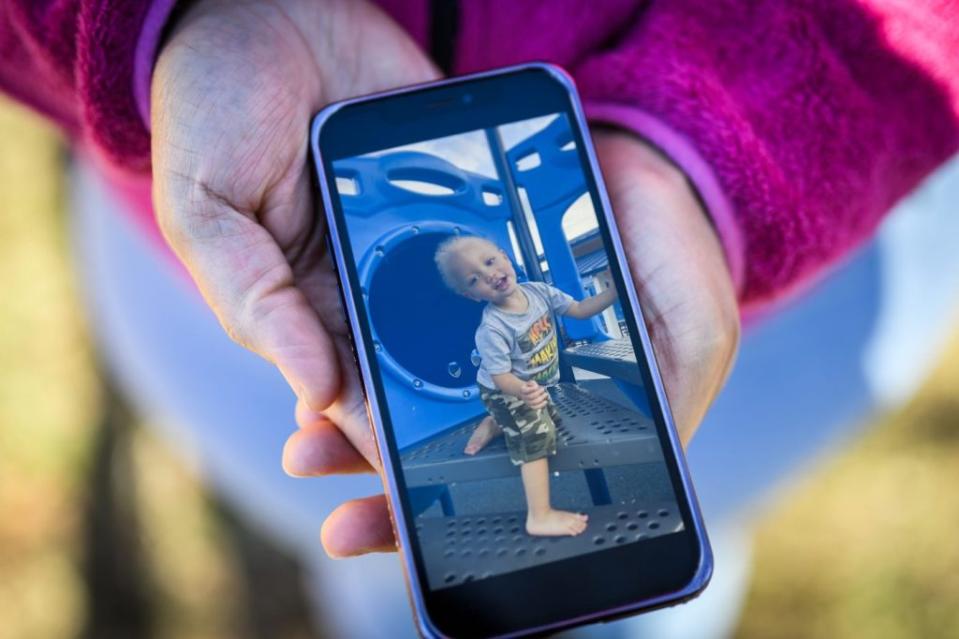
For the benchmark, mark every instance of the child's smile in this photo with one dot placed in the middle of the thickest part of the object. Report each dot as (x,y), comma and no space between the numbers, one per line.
(502,283)
(493,279)
(483,272)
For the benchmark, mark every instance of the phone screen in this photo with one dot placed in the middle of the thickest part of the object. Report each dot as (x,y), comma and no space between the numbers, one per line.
(500,337)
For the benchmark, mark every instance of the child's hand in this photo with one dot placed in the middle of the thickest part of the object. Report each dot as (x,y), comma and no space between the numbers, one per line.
(535,396)
(606,277)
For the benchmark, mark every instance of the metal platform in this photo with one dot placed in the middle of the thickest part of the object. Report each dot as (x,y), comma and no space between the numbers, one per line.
(593,432)
(614,358)
(462,549)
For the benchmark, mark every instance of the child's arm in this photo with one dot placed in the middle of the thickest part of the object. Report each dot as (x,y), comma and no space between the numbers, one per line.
(592,305)
(530,392)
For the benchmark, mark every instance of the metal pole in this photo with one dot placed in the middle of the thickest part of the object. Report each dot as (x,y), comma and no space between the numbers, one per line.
(523,235)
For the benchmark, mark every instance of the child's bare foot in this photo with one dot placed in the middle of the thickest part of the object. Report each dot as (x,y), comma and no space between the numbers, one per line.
(482,435)
(555,523)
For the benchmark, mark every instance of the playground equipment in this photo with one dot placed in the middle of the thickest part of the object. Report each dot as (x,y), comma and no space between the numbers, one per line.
(423,337)
(422,331)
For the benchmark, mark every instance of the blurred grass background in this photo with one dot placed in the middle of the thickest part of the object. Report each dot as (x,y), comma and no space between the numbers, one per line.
(103,531)
(866,544)
(95,513)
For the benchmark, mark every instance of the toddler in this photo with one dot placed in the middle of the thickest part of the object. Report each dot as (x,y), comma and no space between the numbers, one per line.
(517,340)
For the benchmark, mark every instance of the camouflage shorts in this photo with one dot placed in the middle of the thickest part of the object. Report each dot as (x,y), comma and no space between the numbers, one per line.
(530,434)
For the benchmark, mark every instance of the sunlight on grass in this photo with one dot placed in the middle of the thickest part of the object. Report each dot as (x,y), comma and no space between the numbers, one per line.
(866,546)
(48,393)
(196,583)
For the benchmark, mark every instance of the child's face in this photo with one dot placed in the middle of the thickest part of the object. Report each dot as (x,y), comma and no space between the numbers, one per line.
(483,271)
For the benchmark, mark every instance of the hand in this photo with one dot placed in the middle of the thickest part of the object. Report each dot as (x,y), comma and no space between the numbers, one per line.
(682,282)
(233,92)
(534,395)
(679,270)
(606,277)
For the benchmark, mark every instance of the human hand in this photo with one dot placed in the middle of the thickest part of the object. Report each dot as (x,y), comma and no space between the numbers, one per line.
(606,277)
(534,395)
(233,92)
(683,285)
(679,270)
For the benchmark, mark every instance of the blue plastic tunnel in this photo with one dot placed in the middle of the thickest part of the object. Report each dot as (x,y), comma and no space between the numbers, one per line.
(423,332)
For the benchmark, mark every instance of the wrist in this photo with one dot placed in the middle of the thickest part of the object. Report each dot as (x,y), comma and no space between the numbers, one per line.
(670,148)
(638,170)
(639,174)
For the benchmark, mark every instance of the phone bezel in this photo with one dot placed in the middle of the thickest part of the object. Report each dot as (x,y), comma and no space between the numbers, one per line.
(680,563)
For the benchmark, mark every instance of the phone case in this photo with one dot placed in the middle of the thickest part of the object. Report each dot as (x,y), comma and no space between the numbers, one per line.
(401,529)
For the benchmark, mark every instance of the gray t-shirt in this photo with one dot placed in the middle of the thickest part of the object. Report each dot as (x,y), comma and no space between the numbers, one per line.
(524,344)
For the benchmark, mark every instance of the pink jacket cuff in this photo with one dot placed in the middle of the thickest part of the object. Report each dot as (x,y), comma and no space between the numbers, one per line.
(700,174)
(148,47)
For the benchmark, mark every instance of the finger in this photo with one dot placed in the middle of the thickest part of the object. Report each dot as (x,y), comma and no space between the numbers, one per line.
(349,410)
(358,527)
(320,448)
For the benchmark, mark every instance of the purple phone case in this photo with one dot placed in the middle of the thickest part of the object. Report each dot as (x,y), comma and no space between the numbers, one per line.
(403,534)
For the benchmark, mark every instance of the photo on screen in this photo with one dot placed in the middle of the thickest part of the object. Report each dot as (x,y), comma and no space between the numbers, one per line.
(513,390)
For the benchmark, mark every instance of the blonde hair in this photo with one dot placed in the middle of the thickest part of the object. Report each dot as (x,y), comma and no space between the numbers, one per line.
(447,250)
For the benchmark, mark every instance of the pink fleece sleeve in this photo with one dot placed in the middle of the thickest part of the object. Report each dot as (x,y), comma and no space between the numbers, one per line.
(86,64)
(799,124)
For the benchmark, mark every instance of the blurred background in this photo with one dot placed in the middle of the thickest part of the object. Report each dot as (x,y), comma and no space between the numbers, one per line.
(106,532)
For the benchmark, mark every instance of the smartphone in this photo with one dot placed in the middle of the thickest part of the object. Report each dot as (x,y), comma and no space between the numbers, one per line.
(533,471)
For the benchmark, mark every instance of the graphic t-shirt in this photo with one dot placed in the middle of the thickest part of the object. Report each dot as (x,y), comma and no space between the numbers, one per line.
(524,344)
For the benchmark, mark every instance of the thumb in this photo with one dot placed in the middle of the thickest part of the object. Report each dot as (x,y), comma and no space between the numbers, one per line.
(248,282)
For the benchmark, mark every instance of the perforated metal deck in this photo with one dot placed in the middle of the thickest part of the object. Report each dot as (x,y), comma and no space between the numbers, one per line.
(614,358)
(461,549)
(594,432)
